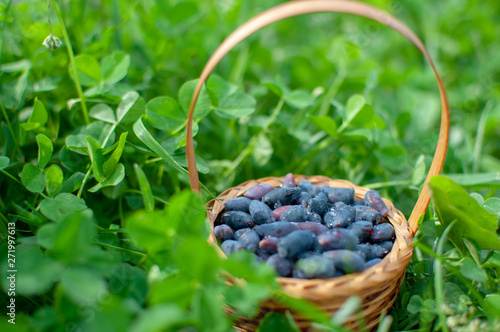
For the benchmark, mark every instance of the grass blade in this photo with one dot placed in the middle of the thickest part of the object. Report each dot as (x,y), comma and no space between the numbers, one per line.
(145,136)
(147,193)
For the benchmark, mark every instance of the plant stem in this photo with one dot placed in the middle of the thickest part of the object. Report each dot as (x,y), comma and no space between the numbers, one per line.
(11,130)
(7,7)
(120,248)
(453,270)
(332,91)
(79,194)
(135,191)
(250,146)
(438,277)
(480,136)
(12,177)
(72,63)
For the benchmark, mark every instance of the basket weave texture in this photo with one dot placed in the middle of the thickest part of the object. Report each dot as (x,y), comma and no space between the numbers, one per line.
(377,287)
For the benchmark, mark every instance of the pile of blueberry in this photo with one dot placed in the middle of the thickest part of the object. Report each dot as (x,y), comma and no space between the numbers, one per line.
(307,232)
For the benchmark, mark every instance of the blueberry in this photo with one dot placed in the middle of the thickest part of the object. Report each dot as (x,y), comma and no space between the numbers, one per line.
(237,219)
(294,243)
(276,229)
(358,202)
(283,266)
(238,204)
(369,251)
(289,181)
(223,233)
(382,232)
(280,197)
(373,199)
(339,217)
(269,244)
(362,229)
(230,246)
(372,262)
(248,238)
(261,213)
(338,238)
(295,213)
(303,199)
(309,187)
(277,213)
(316,267)
(364,212)
(319,204)
(345,195)
(314,227)
(345,260)
(259,190)
(314,217)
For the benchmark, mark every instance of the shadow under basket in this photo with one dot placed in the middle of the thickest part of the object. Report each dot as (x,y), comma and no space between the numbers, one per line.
(377,287)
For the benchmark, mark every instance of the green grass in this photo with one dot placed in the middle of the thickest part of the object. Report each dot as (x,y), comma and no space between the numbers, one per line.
(93,172)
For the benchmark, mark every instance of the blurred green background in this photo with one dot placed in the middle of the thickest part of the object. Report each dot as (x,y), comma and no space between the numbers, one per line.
(293,85)
(169,42)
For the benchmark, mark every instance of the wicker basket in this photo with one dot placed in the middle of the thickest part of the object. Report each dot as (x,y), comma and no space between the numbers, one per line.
(377,286)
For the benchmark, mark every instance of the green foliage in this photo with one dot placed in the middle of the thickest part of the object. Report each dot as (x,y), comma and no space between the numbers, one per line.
(108,238)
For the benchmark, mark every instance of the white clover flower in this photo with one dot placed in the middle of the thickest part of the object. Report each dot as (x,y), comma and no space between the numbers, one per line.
(52,42)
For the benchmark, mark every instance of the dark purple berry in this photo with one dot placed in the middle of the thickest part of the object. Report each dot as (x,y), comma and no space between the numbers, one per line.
(345,260)
(316,267)
(309,187)
(362,229)
(237,219)
(358,202)
(281,265)
(262,254)
(382,232)
(223,233)
(345,195)
(295,213)
(277,213)
(238,204)
(364,212)
(280,197)
(307,254)
(276,229)
(298,274)
(248,238)
(372,262)
(319,204)
(289,181)
(369,251)
(339,217)
(261,213)
(269,244)
(294,243)
(230,246)
(314,227)
(303,199)
(314,217)
(338,238)
(373,199)
(259,190)
(386,245)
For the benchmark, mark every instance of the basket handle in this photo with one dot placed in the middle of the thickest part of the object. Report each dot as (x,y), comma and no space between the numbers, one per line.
(299,7)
